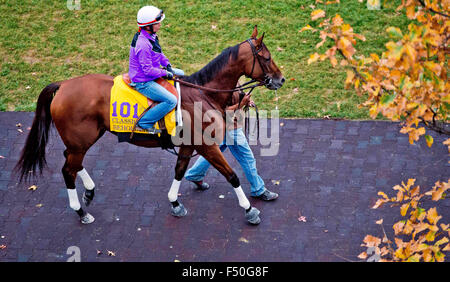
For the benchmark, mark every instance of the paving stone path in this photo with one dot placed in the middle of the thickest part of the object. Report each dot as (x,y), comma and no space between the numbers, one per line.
(327,171)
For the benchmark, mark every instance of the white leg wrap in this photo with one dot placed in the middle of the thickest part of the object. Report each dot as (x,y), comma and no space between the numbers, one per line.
(173,192)
(73,199)
(243,201)
(87,180)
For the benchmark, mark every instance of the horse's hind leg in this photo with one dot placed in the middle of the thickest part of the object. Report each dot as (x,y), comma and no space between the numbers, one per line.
(70,170)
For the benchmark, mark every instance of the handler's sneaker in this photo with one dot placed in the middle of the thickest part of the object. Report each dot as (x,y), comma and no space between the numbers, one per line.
(267,196)
(200,185)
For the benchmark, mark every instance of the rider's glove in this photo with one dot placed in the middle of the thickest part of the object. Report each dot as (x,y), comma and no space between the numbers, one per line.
(169,68)
(169,75)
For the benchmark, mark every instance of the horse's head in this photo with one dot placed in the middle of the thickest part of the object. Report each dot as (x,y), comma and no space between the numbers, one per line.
(259,64)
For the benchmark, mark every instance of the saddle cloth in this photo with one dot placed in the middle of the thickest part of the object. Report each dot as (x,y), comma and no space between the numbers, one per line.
(127,105)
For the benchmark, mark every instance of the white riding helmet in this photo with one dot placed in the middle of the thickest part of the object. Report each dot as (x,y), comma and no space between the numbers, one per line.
(149,15)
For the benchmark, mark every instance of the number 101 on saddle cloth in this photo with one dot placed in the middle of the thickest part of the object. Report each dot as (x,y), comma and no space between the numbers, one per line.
(127,105)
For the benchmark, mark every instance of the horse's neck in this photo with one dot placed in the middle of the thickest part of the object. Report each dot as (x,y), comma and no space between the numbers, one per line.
(223,81)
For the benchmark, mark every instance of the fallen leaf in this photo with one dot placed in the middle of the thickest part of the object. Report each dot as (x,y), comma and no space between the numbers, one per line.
(213,26)
(19,124)
(362,255)
(2,157)
(2,247)
(28,87)
(281,123)
(379,221)
(111,254)
(279,49)
(317,14)
(32,188)
(295,90)
(39,205)
(276,182)
(99,252)
(301,218)
(221,196)
(176,260)
(242,239)
(20,130)
(292,79)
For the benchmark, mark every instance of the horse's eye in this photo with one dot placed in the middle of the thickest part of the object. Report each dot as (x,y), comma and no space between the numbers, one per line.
(267,59)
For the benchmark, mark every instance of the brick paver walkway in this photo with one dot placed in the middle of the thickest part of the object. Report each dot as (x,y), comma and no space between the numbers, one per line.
(328,171)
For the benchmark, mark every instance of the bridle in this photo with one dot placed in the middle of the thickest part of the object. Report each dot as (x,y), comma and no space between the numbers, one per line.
(267,79)
(252,84)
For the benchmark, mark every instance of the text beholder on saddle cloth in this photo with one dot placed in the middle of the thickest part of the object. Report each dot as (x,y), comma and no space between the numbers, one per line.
(128,104)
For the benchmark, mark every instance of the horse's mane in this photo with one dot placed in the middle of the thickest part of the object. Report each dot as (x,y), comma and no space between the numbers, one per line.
(208,72)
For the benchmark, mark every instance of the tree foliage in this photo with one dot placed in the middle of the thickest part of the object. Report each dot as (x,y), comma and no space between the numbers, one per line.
(428,239)
(408,81)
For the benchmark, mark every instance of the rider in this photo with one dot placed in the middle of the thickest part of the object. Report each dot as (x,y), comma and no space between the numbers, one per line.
(146,60)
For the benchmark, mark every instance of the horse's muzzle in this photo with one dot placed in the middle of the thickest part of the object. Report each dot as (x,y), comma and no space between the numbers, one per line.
(274,83)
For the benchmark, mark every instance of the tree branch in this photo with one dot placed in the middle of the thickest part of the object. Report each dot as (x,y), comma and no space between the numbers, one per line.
(431,10)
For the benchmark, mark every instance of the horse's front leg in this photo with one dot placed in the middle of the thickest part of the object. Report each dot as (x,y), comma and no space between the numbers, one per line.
(184,156)
(215,157)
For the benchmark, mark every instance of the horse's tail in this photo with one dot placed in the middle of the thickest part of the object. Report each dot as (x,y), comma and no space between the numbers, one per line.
(33,154)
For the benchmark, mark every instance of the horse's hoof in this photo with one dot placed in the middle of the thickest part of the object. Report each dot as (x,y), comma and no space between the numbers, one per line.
(88,196)
(252,216)
(87,218)
(179,210)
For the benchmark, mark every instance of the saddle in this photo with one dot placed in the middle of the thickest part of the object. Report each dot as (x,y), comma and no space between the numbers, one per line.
(164,83)
(127,106)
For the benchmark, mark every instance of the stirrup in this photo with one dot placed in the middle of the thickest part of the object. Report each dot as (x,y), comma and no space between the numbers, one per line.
(151,130)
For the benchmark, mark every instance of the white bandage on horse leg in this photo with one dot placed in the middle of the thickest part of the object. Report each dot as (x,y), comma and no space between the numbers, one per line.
(87,180)
(243,201)
(173,192)
(73,199)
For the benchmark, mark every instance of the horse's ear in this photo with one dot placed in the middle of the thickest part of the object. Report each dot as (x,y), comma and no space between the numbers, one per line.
(255,32)
(260,40)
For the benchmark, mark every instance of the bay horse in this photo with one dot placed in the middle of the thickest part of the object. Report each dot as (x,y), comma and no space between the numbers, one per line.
(79,108)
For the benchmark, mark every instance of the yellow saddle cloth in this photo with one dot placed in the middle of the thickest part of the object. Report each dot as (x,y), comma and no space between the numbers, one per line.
(128,104)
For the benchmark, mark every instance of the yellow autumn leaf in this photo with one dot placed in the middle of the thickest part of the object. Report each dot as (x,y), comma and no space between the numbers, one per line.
(313,57)
(404,209)
(429,139)
(363,255)
(337,20)
(346,47)
(317,14)
(32,187)
(307,27)
(433,216)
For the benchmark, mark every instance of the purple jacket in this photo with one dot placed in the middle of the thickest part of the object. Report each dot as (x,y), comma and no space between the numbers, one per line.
(146,58)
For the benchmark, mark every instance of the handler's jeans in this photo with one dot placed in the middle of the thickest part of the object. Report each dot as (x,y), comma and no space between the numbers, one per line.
(243,154)
(167,101)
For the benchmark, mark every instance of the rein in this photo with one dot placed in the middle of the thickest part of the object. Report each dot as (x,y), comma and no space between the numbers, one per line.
(242,87)
(252,84)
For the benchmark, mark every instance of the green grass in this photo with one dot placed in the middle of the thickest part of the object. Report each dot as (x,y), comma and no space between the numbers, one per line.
(43,41)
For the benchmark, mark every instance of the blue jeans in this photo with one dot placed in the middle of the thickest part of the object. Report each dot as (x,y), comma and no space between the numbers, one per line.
(167,101)
(236,141)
